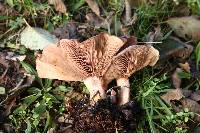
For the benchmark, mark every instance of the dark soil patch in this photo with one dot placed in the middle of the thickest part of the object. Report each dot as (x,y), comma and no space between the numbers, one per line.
(104,116)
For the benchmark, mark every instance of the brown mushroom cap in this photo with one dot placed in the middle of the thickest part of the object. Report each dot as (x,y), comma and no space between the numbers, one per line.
(87,61)
(131,60)
(51,64)
(74,61)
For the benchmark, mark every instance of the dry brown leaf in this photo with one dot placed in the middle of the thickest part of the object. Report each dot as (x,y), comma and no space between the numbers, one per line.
(66,31)
(182,10)
(195,96)
(95,20)
(98,21)
(186,27)
(94,6)
(59,5)
(175,78)
(185,66)
(192,105)
(184,53)
(172,95)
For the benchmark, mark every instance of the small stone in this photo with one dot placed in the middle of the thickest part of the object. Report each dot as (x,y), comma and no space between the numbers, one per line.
(2,90)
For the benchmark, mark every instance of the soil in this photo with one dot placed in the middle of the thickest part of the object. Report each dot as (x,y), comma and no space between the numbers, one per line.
(104,116)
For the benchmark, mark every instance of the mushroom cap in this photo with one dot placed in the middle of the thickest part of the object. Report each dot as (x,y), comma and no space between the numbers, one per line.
(74,61)
(130,60)
(51,64)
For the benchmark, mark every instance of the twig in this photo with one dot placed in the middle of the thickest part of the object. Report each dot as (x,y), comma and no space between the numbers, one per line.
(150,42)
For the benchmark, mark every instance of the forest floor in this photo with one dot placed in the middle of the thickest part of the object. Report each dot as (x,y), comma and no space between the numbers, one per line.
(164,98)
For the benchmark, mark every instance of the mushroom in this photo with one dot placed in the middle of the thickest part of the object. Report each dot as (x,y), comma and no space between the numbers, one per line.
(87,61)
(126,62)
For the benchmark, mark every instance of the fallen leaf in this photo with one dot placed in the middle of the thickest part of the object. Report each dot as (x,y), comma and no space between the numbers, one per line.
(94,6)
(95,20)
(195,96)
(36,38)
(176,79)
(184,53)
(11,56)
(182,10)
(173,47)
(155,36)
(175,94)
(9,106)
(59,5)
(187,93)
(186,27)
(185,66)
(192,105)
(66,31)
(100,22)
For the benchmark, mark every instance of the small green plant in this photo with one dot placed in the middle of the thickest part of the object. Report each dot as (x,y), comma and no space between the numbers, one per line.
(34,110)
(17,23)
(176,121)
(149,90)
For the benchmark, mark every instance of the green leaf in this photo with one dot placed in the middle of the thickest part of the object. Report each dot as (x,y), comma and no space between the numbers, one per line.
(27,102)
(28,128)
(64,88)
(37,38)
(184,75)
(197,53)
(186,119)
(76,5)
(5,17)
(40,109)
(47,83)
(30,99)
(34,90)
(48,121)
(53,99)
(10,3)
(29,69)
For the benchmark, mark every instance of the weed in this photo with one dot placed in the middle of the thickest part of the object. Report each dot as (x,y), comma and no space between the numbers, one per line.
(17,23)
(150,15)
(35,108)
(176,121)
(149,90)
(194,6)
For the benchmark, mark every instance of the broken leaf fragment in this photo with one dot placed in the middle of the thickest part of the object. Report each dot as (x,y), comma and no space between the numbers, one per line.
(59,5)
(186,27)
(94,6)
(175,94)
(36,38)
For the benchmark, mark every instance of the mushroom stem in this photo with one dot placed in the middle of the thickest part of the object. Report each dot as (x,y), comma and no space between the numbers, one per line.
(124,90)
(95,87)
